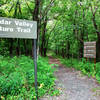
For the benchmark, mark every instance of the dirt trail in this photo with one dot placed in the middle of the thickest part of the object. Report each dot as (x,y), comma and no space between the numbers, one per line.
(72,84)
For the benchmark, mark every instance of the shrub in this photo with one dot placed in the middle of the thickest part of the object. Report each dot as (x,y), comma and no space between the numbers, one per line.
(17,77)
(86,67)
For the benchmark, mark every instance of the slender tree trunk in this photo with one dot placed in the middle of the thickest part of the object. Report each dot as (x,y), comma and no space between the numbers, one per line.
(18,47)
(98,48)
(56,50)
(82,37)
(68,48)
(63,53)
(25,48)
(98,33)
(11,47)
(43,46)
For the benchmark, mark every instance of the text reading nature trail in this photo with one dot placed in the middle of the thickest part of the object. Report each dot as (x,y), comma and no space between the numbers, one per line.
(17,28)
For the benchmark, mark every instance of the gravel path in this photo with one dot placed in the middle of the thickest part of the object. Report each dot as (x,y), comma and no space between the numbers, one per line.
(73,85)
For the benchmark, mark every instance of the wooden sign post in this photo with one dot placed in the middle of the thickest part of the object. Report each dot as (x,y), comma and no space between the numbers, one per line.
(16,28)
(90,51)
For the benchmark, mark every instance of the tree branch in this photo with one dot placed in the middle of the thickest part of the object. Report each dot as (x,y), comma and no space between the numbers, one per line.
(93,19)
(29,7)
(47,8)
(50,33)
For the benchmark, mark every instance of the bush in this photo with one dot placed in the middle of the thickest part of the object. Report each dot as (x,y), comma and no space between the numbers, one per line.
(17,77)
(87,68)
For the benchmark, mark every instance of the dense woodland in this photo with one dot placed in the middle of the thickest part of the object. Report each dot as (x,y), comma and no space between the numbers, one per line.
(63,27)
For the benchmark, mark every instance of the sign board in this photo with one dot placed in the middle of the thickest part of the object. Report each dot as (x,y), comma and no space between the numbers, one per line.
(90,49)
(16,28)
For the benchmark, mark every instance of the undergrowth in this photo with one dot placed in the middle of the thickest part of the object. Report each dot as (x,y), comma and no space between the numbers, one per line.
(86,67)
(17,78)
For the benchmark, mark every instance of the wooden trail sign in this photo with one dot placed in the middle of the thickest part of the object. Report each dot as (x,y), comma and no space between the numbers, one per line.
(16,28)
(90,49)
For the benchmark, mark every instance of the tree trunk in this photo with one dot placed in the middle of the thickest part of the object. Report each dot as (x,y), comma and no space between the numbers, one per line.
(63,53)
(98,48)
(68,48)
(11,47)
(18,47)
(43,45)
(98,34)
(82,38)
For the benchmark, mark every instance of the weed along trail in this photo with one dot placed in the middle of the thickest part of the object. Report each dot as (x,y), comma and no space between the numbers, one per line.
(73,85)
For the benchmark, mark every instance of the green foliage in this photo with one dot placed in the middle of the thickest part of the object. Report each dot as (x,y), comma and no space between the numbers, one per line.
(98,71)
(54,92)
(17,77)
(74,25)
(86,67)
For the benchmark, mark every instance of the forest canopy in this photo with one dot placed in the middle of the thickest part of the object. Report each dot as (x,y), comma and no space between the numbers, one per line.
(63,25)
